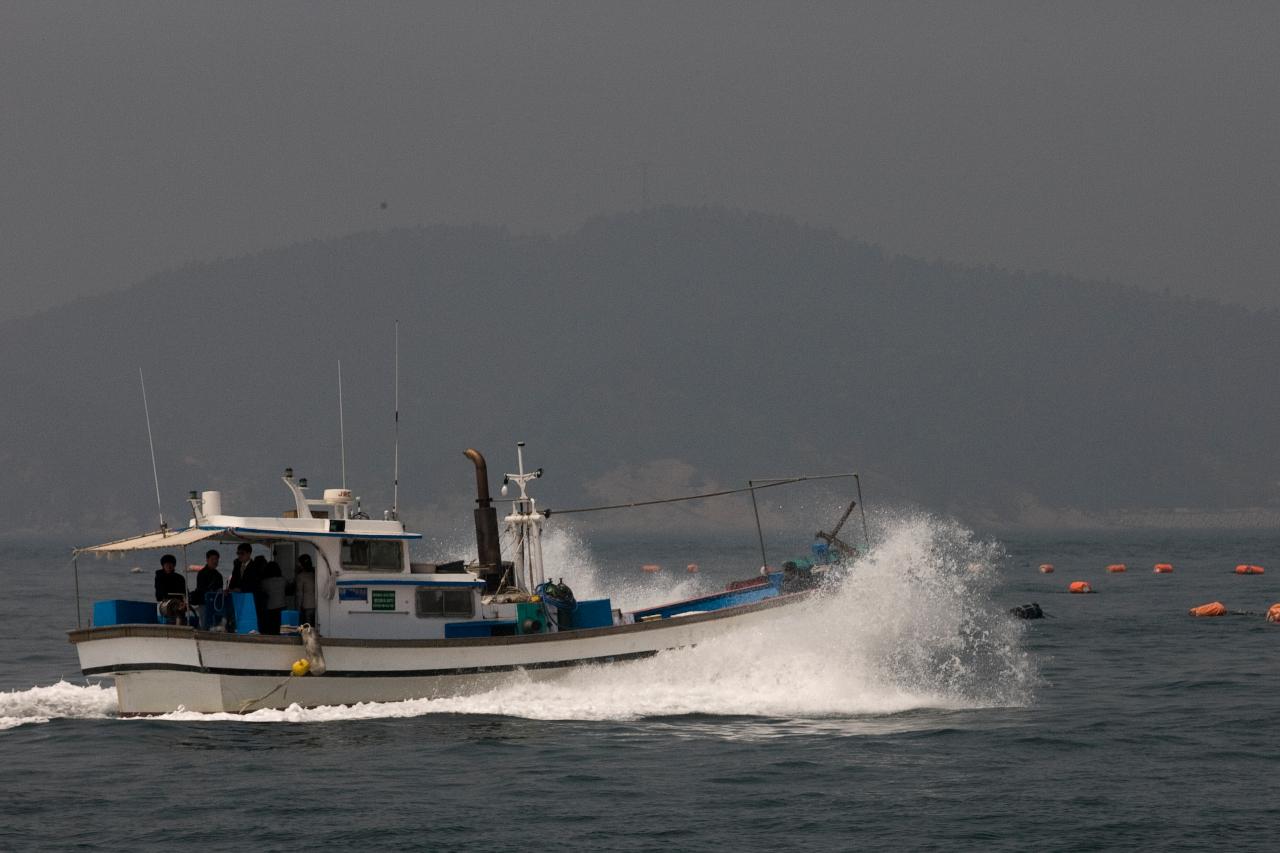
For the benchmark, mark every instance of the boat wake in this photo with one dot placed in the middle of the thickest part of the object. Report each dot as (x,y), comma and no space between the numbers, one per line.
(56,702)
(911,626)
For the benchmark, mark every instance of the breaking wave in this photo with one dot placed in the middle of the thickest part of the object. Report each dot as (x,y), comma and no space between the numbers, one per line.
(57,701)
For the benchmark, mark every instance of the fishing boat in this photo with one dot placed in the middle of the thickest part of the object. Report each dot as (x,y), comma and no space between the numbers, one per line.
(387,628)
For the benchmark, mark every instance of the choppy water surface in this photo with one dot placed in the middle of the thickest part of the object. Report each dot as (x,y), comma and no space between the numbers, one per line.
(904,709)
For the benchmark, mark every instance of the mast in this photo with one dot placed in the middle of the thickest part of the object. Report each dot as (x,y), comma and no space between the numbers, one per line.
(395,476)
(342,428)
(525,525)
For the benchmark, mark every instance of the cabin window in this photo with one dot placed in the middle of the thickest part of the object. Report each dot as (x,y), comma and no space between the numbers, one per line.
(445,602)
(373,555)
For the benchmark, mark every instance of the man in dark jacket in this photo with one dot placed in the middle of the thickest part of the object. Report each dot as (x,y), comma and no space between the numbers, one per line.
(169,586)
(243,554)
(208,579)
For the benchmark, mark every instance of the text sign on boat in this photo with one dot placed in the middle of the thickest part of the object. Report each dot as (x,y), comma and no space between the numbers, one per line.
(353,593)
(384,599)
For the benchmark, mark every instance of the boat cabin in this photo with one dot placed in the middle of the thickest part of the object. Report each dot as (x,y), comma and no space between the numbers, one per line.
(367,586)
(366,583)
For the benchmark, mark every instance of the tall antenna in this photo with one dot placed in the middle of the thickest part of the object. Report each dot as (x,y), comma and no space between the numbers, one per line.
(155,473)
(342,428)
(395,486)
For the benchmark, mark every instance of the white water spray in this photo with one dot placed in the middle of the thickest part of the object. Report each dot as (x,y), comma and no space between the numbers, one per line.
(57,701)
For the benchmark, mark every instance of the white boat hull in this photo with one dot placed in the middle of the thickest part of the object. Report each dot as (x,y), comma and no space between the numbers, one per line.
(158,669)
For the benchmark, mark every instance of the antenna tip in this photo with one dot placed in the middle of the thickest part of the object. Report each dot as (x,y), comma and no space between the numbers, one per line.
(519,444)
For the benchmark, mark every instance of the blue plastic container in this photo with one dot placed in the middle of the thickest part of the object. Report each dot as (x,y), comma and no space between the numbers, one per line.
(246,613)
(597,613)
(121,612)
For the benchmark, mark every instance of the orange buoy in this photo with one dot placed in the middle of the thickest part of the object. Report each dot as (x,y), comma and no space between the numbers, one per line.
(1046,568)
(1163,568)
(651,568)
(1273,613)
(1249,570)
(1213,608)
(1080,586)
(1116,568)
(692,568)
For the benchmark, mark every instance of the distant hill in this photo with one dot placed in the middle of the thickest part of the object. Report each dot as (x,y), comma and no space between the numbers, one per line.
(663,350)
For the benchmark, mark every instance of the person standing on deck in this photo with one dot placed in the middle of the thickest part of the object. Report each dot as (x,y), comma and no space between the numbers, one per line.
(273,586)
(244,551)
(251,581)
(208,580)
(304,581)
(170,585)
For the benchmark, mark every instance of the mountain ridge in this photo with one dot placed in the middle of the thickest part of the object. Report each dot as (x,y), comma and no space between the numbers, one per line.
(723,344)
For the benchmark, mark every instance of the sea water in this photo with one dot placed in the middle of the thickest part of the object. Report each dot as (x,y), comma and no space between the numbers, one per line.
(903,708)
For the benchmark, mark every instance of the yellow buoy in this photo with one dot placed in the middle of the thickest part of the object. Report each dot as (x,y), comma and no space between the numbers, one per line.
(301,666)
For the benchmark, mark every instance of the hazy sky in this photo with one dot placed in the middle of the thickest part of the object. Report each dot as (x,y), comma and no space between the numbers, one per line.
(1139,142)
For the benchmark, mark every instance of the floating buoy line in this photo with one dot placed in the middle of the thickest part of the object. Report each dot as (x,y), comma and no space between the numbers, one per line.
(1200,611)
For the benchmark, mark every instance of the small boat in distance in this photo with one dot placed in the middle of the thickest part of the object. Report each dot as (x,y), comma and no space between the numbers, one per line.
(387,628)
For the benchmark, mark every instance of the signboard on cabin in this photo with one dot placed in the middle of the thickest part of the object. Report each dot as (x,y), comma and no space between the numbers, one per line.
(384,599)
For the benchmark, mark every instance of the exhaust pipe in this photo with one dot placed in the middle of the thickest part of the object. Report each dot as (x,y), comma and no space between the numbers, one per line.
(488,548)
(482,476)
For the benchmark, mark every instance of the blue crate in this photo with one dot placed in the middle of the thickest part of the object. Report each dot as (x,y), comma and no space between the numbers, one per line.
(121,612)
(597,613)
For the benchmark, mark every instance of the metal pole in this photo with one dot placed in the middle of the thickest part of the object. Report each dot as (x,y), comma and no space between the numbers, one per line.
(866,537)
(395,487)
(764,559)
(75,563)
(342,428)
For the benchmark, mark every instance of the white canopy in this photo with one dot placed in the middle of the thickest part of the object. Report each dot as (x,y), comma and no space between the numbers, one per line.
(155,541)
